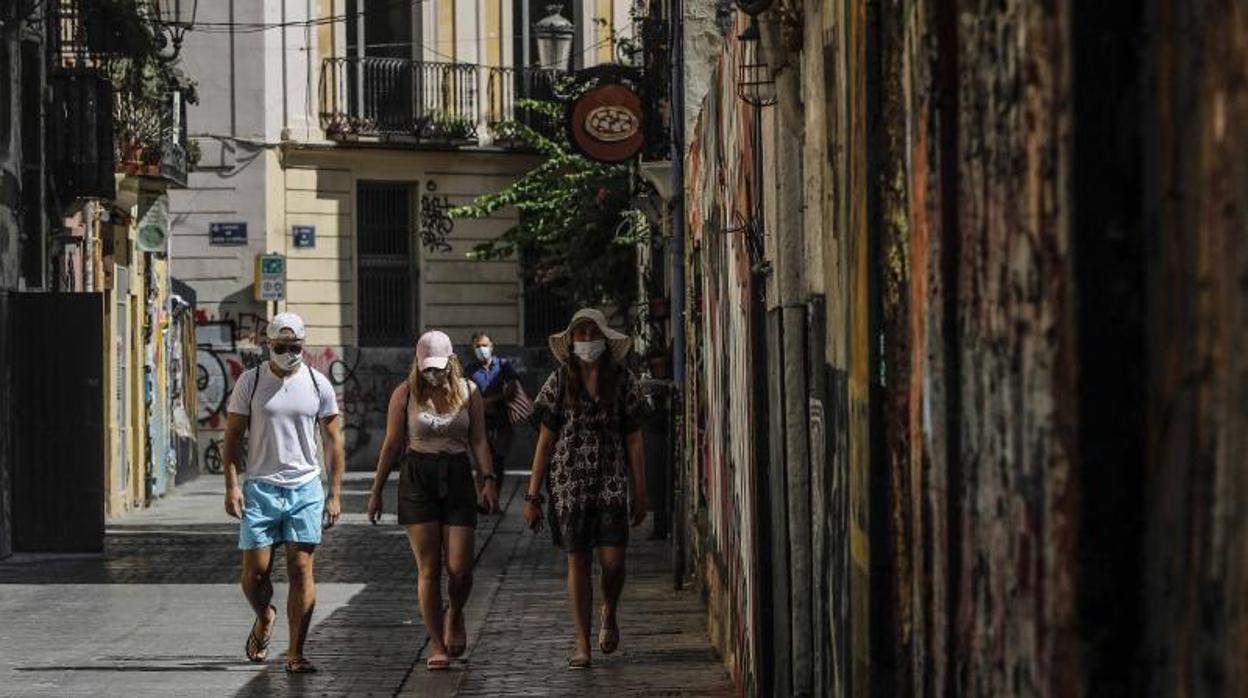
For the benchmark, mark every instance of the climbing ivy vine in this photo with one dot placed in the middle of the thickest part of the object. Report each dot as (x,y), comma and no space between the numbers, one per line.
(576,220)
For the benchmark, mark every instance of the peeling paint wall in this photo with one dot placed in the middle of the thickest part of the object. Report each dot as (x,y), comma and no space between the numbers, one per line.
(1025,293)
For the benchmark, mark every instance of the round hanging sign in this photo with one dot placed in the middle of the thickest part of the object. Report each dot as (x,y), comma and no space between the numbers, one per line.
(605,123)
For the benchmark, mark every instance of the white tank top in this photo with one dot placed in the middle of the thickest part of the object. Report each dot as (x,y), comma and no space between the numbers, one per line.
(434,432)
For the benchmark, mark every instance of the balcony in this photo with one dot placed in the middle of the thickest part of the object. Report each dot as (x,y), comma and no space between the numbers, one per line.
(151,137)
(406,101)
(401,99)
(507,86)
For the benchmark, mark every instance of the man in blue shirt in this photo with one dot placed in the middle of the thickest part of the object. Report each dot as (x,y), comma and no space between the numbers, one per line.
(496,378)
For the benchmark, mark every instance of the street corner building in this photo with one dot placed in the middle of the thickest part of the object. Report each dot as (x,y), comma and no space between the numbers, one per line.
(960,294)
(339,148)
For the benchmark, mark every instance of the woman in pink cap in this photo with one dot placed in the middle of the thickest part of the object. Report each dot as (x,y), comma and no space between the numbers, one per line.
(435,417)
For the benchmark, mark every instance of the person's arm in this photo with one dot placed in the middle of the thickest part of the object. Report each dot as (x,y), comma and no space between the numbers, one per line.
(637,471)
(235,428)
(391,447)
(336,453)
(481,450)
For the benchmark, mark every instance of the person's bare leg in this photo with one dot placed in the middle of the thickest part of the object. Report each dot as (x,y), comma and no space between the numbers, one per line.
(459,551)
(426,542)
(611,560)
(580,598)
(302,599)
(257,583)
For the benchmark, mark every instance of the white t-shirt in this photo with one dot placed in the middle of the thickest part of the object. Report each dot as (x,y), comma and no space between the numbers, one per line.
(281,441)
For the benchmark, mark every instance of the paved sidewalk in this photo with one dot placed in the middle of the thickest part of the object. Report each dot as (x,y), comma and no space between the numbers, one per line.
(160,613)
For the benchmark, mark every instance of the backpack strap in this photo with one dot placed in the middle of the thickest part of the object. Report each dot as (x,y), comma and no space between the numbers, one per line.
(316,386)
(251,409)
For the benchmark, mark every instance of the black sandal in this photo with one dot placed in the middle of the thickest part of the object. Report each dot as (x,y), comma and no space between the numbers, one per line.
(262,645)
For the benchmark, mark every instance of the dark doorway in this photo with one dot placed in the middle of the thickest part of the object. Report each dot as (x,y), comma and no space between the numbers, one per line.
(388,281)
(1109,249)
(58,454)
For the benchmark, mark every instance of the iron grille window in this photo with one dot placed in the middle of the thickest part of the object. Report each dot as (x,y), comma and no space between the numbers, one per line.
(386,300)
(546,310)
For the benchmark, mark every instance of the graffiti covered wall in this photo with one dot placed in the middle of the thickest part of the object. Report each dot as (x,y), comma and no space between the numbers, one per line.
(362,378)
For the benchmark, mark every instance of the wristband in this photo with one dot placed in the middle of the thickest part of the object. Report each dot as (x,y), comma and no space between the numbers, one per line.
(534,499)
(489,476)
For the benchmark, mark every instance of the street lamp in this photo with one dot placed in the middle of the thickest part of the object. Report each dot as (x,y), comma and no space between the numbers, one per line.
(554,39)
(755,84)
(174,19)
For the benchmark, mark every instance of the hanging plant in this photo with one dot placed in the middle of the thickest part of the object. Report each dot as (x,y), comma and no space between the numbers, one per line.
(575,214)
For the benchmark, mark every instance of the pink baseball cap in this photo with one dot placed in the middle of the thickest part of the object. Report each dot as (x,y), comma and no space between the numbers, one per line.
(433,350)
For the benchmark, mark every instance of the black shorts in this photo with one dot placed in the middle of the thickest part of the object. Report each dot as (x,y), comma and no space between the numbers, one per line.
(437,487)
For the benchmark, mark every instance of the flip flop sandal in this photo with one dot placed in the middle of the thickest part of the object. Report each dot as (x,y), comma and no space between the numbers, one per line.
(261,652)
(300,666)
(608,635)
(452,649)
(579,661)
(438,662)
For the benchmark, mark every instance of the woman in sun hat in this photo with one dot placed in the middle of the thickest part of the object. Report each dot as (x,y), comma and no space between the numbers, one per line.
(591,411)
(435,417)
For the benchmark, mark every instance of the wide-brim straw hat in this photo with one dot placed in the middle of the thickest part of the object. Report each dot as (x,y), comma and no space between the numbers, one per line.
(618,343)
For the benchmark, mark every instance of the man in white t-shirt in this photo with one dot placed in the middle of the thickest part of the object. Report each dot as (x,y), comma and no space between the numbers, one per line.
(278,405)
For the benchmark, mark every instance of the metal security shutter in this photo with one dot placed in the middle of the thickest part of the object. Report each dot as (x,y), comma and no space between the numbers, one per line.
(387,273)
(58,459)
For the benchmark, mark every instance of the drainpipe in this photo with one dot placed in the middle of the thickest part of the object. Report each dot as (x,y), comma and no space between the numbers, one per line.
(359,58)
(285,89)
(793,365)
(233,78)
(677,100)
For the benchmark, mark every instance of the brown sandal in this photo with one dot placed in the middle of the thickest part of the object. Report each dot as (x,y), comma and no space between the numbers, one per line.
(438,662)
(300,665)
(580,661)
(453,649)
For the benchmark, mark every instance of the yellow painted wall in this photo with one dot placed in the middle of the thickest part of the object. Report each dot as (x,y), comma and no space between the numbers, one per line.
(604,16)
(493,54)
(317,187)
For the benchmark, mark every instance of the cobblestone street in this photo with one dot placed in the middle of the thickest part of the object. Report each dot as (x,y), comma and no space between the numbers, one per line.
(160,613)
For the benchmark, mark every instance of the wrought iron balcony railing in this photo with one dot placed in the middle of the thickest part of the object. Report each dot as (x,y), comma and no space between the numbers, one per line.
(396,97)
(507,86)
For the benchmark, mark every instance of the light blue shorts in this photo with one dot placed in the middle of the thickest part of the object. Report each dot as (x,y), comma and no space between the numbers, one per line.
(274,514)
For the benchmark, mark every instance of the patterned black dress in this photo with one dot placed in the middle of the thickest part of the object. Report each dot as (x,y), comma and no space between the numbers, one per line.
(588,473)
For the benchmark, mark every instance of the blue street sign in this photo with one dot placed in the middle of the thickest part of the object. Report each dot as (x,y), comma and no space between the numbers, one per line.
(227,233)
(305,236)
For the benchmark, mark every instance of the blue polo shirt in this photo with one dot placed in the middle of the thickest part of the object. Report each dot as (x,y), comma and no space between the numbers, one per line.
(490,379)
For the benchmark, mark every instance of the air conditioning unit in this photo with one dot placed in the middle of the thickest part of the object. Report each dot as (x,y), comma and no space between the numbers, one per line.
(80,129)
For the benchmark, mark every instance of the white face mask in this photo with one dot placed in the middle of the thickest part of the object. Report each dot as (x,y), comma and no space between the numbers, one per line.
(589,351)
(435,377)
(484,353)
(289,361)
